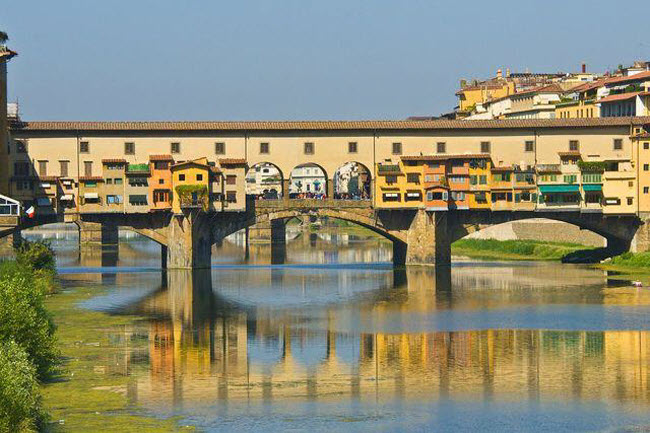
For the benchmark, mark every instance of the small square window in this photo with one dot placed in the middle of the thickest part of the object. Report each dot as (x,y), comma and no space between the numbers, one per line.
(397,148)
(573,145)
(129,148)
(309,148)
(618,144)
(84,147)
(441,147)
(485,147)
(161,181)
(352,147)
(646,189)
(220,148)
(529,146)
(646,146)
(630,201)
(231,179)
(199,177)
(646,167)
(181,177)
(176,148)
(630,183)
(264,147)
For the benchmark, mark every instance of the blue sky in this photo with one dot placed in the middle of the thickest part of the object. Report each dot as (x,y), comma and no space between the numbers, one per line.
(294,59)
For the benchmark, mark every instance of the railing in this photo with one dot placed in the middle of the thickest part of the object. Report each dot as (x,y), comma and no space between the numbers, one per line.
(311,204)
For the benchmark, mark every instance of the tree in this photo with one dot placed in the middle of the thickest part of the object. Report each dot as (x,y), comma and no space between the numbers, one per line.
(3,37)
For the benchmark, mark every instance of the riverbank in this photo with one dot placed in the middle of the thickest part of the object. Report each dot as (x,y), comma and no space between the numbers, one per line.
(90,393)
(629,263)
(514,249)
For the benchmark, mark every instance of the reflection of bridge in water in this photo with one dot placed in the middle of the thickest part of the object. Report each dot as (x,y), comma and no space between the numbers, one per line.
(208,343)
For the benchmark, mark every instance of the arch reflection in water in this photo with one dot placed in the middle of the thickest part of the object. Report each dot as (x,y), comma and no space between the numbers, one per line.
(231,337)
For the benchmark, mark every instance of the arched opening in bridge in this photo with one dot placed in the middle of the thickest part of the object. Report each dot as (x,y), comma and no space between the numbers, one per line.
(352,181)
(308,181)
(264,181)
(553,237)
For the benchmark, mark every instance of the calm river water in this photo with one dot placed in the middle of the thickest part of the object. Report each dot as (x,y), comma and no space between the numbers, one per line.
(336,340)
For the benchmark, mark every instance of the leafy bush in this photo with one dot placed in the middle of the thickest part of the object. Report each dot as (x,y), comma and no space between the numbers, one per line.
(20,404)
(23,317)
(632,260)
(37,255)
(591,166)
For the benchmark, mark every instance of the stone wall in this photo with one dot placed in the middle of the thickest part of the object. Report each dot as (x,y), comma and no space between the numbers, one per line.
(540,229)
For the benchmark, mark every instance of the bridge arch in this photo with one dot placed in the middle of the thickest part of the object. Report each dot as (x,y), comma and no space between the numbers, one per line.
(309,180)
(265,180)
(352,180)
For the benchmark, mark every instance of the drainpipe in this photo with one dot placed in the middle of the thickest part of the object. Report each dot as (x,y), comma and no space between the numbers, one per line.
(373,192)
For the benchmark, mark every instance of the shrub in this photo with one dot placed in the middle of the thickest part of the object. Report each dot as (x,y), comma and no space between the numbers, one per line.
(23,317)
(20,404)
(37,255)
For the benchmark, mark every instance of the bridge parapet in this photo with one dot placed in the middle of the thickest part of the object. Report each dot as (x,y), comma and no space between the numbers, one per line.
(311,204)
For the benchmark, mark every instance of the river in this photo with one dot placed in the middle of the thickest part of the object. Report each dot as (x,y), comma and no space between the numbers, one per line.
(336,340)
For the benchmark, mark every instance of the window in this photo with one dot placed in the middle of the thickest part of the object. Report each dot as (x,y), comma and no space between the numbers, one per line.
(161,165)
(529,146)
(21,169)
(646,146)
(63,169)
(645,167)
(84,147)
(88,168)
(231,196)
(42,168)
(630,183)
(220,148)
(161,181)
(109,181)
(413,196)
(129,148)
(390,196)
(138,200)
(573,145)
(391,179)
(646,189)
(264,147)
(352,147)
(485,147)
(181,177)
(482,179)
(441,147)
(309,148)
(591,178)
(618,144)
(231,179)
(113,199)
(630,201)
(199,177)
(570,178)
(397,148)
(501,177)
(138,181)
(21,146)
(473,180)
(160,196)
(118,181)
(176,148)
(413,178)
(90,184)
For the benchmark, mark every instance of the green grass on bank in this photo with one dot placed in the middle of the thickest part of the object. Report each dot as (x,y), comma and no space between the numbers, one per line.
(514,249)
(630,261)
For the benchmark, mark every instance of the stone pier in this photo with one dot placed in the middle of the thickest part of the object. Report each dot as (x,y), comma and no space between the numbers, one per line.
(278,242)
(190,241)
(428,241)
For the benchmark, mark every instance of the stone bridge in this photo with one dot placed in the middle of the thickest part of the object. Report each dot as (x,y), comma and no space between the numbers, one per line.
(418,236)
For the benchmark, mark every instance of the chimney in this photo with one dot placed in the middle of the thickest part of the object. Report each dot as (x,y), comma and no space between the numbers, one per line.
(584,68)
(499,75)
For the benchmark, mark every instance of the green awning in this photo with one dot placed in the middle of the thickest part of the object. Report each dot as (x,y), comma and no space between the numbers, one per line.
(547,189)
(593,187)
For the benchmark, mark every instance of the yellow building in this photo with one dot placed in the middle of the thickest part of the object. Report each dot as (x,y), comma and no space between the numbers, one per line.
(479,182)
(399,185)
(470,95)
(191,181)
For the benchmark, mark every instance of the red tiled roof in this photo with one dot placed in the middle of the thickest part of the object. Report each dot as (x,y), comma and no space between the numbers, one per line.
(160,158)
(549,88)
(232,161)
(622,96)
(113,161)
(440,124)
(635,77)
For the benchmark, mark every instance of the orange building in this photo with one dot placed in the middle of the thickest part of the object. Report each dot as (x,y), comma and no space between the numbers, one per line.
(160,185)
